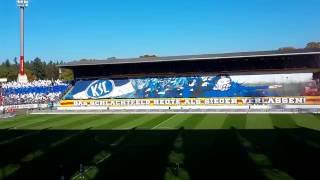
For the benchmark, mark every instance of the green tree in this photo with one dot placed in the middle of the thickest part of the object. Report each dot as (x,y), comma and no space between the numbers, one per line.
(289,48)
(111,58)
(313,45)
(38,68)
(12,75)
(7,70)
(30,75)
(66,74)
(52,72)
(7,63)
(3,71)
(148,56)
(15,61)
(27,65)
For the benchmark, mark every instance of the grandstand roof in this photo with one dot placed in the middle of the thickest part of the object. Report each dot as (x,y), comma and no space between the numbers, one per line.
(236,55)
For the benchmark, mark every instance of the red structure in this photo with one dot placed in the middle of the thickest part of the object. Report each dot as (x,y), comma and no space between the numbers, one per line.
(22,4)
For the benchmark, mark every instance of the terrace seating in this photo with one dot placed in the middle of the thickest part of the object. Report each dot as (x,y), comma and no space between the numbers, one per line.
(35,92)
(79,85)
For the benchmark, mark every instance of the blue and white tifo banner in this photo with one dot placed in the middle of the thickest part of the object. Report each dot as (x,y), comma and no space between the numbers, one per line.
(102,89)
(193,87)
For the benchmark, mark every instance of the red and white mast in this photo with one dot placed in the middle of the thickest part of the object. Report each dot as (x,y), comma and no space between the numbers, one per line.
(22,4)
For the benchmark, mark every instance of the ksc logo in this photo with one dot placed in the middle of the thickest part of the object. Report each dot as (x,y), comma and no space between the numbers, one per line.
(100,88)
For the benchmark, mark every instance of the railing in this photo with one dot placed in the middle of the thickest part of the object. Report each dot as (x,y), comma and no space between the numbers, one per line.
(54,110)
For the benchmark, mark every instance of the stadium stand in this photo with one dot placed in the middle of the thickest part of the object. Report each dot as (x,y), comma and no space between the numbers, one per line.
(168,84)
(35,92)
(232,82)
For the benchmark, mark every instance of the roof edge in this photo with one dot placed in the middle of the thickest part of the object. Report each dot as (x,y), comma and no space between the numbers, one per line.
(235,55)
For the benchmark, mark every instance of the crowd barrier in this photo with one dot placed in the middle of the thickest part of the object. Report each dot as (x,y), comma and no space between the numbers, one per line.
(203,111)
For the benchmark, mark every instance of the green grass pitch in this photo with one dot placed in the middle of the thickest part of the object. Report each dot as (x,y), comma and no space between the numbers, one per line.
(160,146)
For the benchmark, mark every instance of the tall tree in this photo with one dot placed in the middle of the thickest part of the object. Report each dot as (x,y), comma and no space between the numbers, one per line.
(38,68)
(15,61)
(30,75)
(7,63)
(52,72)
(313,45)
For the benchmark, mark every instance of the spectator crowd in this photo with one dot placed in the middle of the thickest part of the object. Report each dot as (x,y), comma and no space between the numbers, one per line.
(35,92)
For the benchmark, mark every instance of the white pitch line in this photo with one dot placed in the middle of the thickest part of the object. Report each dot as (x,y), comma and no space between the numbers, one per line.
(163,122)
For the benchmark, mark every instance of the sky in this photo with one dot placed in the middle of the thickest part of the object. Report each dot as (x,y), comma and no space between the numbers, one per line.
(97,29)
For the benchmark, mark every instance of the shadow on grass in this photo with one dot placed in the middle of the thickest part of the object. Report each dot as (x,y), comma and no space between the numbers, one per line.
(283,121)
(239,122)
(143,154)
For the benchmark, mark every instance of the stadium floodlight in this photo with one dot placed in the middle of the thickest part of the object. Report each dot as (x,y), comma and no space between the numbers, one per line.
(22,4)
